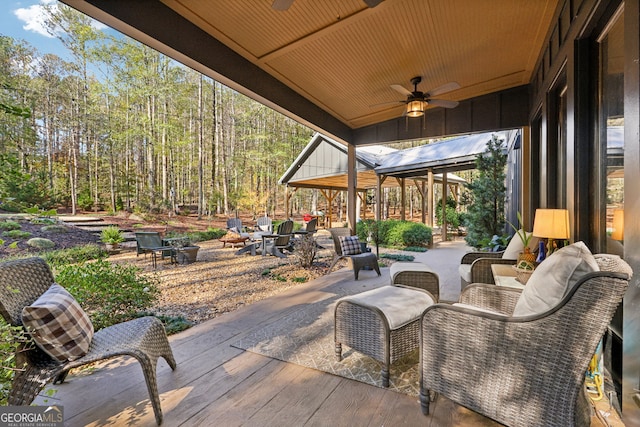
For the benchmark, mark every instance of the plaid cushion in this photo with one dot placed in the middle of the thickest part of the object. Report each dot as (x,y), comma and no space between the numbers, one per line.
(349,245)
(58,324)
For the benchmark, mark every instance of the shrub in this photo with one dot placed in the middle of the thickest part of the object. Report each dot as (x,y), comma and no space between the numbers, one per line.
(109,293)
(111,235)
(74,255)
(16,234)
(55,228)
(406,233)
(398,257)
(41,243)
(10,338)
(305,250)
(9,225)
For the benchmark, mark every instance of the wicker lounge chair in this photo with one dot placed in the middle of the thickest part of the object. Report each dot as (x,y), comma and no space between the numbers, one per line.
(359,261)
(21,283)
(519,370)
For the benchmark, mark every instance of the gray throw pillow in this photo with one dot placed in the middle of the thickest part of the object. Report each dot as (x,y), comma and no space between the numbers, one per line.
(553,278)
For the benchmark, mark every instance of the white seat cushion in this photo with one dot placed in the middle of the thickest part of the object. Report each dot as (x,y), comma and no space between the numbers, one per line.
(553,278)
(399,305)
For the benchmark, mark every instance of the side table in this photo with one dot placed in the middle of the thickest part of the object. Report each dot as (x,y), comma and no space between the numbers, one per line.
(505,275)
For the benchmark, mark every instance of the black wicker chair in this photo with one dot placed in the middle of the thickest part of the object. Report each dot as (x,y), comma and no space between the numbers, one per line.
(21,283)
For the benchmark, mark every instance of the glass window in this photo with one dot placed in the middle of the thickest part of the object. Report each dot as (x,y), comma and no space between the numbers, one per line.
(612,135)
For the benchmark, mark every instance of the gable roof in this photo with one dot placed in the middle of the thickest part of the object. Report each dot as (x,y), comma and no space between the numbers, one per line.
(323,162)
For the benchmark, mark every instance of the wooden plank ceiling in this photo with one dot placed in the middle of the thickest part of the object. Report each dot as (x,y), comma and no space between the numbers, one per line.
(343,56)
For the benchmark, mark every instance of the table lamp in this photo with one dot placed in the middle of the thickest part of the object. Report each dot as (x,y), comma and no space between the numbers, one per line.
(551,224)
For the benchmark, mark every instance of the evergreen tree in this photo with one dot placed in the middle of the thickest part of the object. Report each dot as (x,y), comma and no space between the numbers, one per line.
(487,192)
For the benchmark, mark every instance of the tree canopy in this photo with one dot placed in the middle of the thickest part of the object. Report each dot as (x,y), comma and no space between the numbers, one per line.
(122,126)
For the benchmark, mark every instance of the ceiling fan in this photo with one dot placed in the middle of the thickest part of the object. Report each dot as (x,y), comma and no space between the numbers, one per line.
(286,4)
(417,101)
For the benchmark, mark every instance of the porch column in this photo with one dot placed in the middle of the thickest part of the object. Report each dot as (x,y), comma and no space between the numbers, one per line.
(403,199)
(430,198)
(351,187)
(379,181)
(444,206)
(423,207)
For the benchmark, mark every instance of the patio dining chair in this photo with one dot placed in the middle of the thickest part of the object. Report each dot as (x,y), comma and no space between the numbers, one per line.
(520,356)
(150,242)
(29,295)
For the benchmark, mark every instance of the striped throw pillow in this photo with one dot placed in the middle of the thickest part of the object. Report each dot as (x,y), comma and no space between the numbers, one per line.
(58,324)
(350,245)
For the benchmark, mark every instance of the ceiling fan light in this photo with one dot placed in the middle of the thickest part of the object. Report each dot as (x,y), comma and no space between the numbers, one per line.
(416,108)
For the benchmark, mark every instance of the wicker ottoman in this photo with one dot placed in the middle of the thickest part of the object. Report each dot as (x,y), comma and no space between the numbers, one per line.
(382,323)
(416,275)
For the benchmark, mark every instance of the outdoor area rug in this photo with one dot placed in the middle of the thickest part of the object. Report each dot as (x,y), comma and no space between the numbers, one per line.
(305,337)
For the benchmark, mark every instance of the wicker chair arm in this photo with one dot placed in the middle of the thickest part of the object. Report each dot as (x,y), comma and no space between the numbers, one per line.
(469,257)
(495,298)
(481,269)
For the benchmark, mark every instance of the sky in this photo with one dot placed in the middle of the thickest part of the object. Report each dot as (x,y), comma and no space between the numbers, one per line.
(22,19)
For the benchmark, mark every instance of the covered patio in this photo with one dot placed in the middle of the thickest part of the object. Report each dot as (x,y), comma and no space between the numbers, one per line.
(563,71)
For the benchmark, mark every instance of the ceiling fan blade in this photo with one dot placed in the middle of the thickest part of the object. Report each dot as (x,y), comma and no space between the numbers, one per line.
(281,5)
(443,103)
(447,87)
(403,90)
(372,3)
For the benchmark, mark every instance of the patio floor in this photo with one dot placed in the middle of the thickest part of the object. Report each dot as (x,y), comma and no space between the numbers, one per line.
(216,383)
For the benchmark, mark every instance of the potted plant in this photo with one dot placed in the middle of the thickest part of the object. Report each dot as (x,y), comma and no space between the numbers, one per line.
(111,236)
(186,252)
(525,237)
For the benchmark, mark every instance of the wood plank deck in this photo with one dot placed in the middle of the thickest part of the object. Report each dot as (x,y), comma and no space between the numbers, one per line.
(216,384)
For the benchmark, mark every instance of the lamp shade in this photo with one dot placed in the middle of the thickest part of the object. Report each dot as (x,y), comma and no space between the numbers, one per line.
(416,108)
(551,223)
(617,232)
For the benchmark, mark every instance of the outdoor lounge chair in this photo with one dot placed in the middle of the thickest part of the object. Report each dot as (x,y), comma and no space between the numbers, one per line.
(358,260)
(264,224)
(274,243)
(475,267)
(150,242)
(524,362)
(22,282)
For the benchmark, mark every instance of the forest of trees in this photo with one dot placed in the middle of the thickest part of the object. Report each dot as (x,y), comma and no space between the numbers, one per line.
(124,127)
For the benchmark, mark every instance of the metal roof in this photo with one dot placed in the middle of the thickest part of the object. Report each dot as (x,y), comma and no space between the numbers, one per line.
(323,162)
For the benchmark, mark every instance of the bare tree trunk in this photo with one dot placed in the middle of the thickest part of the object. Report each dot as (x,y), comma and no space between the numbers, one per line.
(200,151)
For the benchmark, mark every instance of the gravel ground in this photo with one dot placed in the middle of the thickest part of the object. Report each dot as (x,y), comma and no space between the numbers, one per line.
(220,281)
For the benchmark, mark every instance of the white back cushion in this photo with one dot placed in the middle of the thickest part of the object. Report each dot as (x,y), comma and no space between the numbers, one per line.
(552,279)
(514,248)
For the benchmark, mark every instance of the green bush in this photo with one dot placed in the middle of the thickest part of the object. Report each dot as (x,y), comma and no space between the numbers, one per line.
(398,257)
(111,235)
(54,228)
(9,225)
(406,233)
(394,233)
(109,293)
(10,338)
(74,255)
(16,234)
